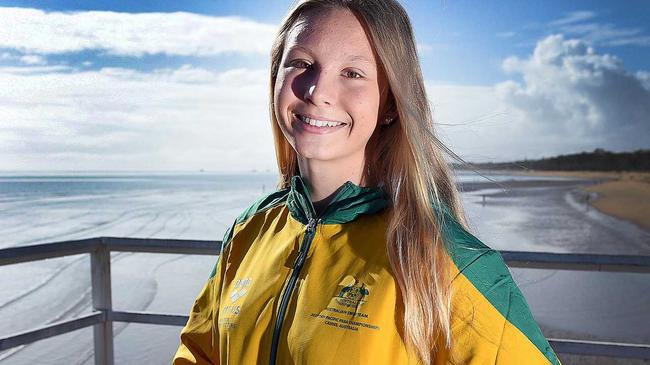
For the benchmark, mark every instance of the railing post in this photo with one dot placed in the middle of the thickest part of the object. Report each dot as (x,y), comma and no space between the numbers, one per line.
(100,267)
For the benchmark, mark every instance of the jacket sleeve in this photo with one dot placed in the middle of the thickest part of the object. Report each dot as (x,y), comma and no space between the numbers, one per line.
(491,320)
(521,338)
(200,336)
(493,323)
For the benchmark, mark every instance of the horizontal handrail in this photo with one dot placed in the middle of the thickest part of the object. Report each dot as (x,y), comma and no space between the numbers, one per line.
(87,320)
(97,245)
(577,261)
(518,259)
(16,255)
(600,348)
(153,245)
(51,330)
(576,347)
(148,318)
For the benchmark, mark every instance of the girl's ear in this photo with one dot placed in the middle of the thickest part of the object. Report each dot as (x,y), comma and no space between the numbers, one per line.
(390,110)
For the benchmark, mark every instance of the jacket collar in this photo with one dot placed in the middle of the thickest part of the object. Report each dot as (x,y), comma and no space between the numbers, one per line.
(351,201)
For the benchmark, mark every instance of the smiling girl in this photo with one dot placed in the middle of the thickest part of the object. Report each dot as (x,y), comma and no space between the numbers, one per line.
(363,254)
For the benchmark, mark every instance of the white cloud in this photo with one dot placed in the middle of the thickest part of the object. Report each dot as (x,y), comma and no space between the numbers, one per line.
(33,60)
(573,17)
(607,34)
(35,69)
(179,33)
(27,59)
(570,99)
(644,76)
(574,98)
(580,24)
(120,119)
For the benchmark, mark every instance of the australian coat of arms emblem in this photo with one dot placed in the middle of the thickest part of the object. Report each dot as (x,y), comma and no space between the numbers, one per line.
(353,295)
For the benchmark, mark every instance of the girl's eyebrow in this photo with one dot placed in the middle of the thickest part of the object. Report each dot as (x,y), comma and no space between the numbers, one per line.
(359,58)
(352,58)
(298,47)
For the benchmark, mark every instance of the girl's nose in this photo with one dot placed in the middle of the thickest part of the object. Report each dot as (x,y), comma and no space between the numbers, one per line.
(317,91)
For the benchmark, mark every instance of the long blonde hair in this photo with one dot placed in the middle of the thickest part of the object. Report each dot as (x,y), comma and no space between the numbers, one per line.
(407,158)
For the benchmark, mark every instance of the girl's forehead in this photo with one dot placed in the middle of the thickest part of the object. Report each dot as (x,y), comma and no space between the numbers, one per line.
(336,27)
(327,21)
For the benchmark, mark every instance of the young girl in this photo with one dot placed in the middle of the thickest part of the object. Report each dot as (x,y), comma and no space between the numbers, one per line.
(363,255)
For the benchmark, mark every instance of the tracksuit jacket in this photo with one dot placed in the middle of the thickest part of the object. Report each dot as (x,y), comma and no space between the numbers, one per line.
(293,288)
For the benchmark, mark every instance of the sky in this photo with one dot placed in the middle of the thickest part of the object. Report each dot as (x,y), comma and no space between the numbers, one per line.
(182,86)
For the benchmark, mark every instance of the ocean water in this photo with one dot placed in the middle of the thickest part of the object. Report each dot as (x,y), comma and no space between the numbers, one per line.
(40,208)
(48,207)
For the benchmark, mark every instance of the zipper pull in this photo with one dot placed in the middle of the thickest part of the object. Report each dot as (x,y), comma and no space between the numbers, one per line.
(312,224)
(302,252)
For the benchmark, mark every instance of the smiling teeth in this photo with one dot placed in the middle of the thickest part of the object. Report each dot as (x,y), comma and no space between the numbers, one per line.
(318,123)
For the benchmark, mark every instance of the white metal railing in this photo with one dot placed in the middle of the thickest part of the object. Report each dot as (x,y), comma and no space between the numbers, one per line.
(103,315)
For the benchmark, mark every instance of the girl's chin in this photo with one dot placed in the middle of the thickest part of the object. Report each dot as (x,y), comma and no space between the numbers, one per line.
(311,153)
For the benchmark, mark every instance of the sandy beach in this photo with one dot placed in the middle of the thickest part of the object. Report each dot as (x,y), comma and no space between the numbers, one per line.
(625,195)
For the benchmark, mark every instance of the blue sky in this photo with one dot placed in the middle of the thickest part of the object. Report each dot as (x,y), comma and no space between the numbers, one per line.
(506,79)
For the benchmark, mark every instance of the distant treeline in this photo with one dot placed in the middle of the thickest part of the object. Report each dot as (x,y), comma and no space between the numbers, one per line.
(598,160)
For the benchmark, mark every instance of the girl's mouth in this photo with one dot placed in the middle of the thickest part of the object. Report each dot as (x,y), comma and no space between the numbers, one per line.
(316,126)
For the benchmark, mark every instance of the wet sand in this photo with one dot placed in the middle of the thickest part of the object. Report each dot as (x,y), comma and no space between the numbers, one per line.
(625,195)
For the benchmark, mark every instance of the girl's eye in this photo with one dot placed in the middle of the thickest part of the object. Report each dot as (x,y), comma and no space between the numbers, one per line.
(300,64)
(353,75)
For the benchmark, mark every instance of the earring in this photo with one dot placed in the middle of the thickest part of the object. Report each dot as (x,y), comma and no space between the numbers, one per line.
(388,121)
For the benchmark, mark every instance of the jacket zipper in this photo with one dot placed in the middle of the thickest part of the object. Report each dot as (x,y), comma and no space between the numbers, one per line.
(288,290)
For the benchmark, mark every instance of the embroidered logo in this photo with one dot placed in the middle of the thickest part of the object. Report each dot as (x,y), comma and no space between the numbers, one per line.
(240,289)
(343,310)
(353,295)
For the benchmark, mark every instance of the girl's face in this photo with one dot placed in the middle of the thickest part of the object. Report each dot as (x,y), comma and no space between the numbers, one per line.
(329,73)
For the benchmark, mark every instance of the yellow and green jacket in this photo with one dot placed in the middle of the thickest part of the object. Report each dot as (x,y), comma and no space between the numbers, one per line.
(293,288)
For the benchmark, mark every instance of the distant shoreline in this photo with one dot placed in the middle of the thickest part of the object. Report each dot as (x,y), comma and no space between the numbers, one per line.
(625,195)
